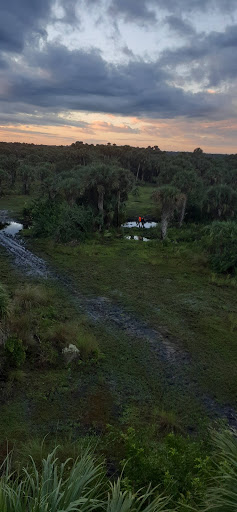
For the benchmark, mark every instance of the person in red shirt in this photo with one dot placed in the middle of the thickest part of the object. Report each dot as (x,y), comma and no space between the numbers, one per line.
(139,221)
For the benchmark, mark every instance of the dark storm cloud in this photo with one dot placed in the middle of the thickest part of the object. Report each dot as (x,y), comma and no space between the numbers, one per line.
(78,80)
(55,79)
(18,19)
(209,57)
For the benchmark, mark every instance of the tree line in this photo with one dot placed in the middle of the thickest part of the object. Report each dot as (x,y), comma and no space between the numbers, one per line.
(86,186)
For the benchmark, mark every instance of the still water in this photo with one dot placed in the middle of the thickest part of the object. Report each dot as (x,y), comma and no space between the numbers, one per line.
(11,228)
(133,224)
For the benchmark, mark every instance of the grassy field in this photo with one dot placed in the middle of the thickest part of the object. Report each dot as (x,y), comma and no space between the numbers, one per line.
(141,205)
(15,204)
(168,286)
(171,287)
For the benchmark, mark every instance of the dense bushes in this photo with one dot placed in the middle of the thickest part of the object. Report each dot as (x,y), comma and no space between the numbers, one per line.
(178,464)
(221,243)
(61,221)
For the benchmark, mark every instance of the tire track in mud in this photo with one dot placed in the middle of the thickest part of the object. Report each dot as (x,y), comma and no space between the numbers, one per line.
(176,362)
(25,259)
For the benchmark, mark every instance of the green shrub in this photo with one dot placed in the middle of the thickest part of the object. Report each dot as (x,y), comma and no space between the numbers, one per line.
(221,244)
(15,351)
(176,463)
(61,221)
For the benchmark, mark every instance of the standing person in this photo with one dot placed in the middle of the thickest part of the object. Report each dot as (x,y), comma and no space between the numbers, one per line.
(139,220)
(143,222)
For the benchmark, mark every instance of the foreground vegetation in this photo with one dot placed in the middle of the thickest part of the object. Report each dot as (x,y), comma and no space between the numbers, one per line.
(81,484)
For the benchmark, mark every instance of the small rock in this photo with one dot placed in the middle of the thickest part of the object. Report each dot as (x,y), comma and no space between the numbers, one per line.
(70,353)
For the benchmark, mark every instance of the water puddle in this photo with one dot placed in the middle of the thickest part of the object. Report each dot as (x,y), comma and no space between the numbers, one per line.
(134,224)
(141,238)
(24,259)
(11,228)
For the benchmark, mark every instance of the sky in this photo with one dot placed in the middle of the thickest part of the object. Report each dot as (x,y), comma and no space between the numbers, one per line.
(138,72)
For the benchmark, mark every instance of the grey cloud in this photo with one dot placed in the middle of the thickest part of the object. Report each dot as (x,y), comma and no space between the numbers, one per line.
(207,57)
(132,10)
(70,11)
(144,11)
(77,80)
(109,127)
(3,63)
(45,118)
(127,51)
(177,24)
(19,19)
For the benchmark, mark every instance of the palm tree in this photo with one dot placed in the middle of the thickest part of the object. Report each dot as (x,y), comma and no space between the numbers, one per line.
(109,183)
(169,198)
(221,202)
(187,181)
(27,174)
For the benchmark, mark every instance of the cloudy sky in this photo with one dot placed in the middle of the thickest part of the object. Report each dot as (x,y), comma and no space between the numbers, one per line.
(139,72)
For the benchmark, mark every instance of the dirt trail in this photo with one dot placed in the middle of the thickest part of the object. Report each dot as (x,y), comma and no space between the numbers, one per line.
(176,362)
(24,259)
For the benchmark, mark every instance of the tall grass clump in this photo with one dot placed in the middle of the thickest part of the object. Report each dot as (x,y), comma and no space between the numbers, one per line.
(5,308)
(30,296)
(221,243)
(79,485)
(222,493)
(4,303)
(88,346)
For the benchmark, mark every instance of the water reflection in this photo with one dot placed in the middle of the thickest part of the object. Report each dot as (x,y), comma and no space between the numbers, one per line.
(141,238)
(134,224)
(11,228)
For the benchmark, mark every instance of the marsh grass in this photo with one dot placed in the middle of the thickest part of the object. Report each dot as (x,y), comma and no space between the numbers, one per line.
(21,325)
(88,346)
(5,307)
(167,421)
(63,334)
(223,281)
(78,334)
(30,296)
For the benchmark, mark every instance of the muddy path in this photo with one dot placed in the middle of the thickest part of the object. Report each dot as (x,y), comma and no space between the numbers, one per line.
(177,363)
